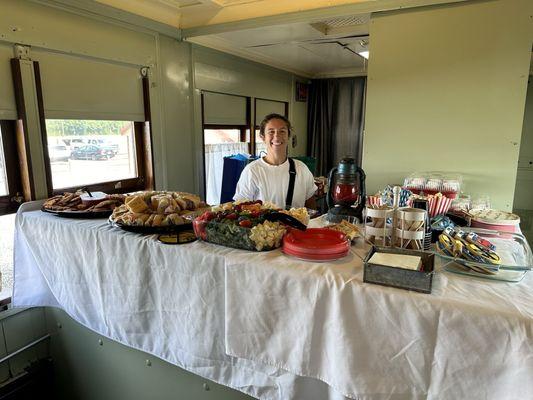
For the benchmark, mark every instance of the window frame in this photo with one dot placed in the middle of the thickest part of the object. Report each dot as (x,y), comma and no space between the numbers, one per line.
(118,185)
(9,203)
(241,128)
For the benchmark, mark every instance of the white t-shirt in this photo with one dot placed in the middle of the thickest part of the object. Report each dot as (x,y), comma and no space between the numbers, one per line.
(262,181)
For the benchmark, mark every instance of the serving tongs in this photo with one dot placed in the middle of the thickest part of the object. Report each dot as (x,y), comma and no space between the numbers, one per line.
(285,219)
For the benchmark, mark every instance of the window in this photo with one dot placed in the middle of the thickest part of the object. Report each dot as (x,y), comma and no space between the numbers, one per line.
(10,184)
(260,145)
(4,189)
(95,121)
(226,132)
(10,198)
(7,231)
(87,152)
(216,136)
(220,142)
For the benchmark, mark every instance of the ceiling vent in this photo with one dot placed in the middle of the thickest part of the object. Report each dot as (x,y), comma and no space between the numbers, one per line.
(347,21)
(354,24)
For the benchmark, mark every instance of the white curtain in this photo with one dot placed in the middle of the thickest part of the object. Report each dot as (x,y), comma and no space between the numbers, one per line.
(260,148)
(3,173)
(214,164)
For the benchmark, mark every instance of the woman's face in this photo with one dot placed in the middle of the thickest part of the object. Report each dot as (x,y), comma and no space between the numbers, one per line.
(276,137)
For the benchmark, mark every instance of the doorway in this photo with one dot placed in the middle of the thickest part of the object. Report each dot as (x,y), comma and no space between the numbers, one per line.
(523,198)
(226,132)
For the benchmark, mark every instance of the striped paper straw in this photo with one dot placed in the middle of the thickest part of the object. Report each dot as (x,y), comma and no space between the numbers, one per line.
(373,201)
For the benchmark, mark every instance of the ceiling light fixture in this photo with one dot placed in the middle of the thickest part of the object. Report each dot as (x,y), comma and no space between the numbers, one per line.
(363,52)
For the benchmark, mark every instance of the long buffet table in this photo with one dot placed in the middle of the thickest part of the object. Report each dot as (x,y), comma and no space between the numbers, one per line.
(275,327)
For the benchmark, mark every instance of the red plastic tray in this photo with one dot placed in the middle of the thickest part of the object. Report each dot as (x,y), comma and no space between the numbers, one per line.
(316,257)
(316,244)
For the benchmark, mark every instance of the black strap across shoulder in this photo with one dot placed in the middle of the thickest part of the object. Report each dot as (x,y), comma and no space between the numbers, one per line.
(292,178)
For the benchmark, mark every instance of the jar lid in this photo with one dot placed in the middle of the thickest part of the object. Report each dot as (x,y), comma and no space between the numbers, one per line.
(490,216)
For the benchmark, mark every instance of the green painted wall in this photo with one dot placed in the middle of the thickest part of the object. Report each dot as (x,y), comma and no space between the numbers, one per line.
(446,91)
(88,366)
(298,117)
(19,328)
(177,129)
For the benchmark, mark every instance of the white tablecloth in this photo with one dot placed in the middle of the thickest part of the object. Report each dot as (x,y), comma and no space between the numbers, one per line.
(275,327)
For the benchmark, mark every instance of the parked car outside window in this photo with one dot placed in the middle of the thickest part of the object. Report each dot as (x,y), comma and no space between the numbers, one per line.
(77,143)
(92,152)
(104,143)
(58,153)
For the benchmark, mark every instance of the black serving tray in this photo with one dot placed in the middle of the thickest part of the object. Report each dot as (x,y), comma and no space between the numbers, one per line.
(419,281)
(82,214)
(150,230)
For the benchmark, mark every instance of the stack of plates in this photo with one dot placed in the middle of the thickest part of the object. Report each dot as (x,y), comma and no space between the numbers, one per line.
(316,244)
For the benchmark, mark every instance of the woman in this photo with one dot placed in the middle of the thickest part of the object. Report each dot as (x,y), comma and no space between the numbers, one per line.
(269,178)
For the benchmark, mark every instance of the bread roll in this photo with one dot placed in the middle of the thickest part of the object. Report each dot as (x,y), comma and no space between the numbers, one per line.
(127,218)
(173,207)
(164,202)
(158,219)
(191,200)
(140,219)
(154,202)
(119,197)
(181,202)
(150,220)
(175,219)
(117,212)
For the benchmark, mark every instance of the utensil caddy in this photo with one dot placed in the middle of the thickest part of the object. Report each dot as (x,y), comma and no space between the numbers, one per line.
(419,280)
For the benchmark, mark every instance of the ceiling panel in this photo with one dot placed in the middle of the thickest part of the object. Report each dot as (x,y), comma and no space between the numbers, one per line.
(295,56)
(300,47)
(335,55)
(272,34)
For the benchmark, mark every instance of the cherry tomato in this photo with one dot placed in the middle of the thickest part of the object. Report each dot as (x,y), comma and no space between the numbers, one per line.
(232,216)
(245,223)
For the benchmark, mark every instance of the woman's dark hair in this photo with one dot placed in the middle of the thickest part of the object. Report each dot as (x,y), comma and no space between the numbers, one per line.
(269,118)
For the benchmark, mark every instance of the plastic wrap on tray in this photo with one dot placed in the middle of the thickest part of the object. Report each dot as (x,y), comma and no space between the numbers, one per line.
(261,237)
(249,225)
(434,182)
(512,249)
